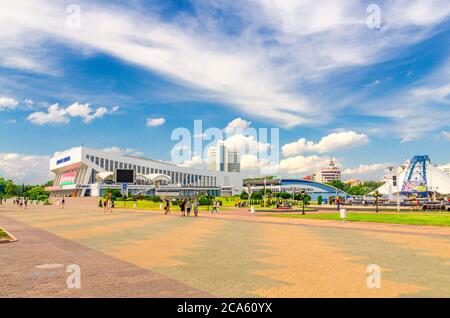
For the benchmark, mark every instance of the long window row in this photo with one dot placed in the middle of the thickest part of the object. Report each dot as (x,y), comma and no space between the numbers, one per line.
(177,177)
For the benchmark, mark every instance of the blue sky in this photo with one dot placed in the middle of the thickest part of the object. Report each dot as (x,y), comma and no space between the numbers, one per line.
(314,69)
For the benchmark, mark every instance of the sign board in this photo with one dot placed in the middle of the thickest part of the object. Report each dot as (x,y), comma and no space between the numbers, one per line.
(68,178)
(343,213)
(124,175)
(124,189)
(63,160)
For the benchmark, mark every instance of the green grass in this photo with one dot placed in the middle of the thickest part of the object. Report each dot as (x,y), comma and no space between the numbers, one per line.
(413,218)
(3,235)
(294,209)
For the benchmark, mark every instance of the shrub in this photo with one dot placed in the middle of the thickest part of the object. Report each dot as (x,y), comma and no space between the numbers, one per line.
(204,200)
(154,198)
(319,200)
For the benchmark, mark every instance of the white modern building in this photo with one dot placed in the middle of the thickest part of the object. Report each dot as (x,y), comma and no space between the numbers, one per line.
(445,169)
(417,176)
(83,171)
(222,158)
(330,173)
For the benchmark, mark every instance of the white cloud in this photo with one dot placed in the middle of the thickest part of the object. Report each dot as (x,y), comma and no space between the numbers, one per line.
(374,83)
(373,171)
(297,166)
(246,143)
(29,102)
(155,122)
(259,73)
(54,115)
(7,103)
(303,164)
(446,134)
(195,162)
(440,94)
(26,169)
(59,115)
(332,142)
(123,151)
(237,125)
(11,122)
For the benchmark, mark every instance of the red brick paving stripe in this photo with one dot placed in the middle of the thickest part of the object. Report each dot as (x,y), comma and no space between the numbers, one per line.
(101,275)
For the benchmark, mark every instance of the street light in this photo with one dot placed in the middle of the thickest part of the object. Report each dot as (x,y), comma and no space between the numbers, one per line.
(376,195)
(303,197)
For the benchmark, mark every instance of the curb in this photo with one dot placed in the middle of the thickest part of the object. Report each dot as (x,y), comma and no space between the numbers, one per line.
(12,240)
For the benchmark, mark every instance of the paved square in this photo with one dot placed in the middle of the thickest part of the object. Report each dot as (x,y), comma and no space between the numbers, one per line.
(148,254)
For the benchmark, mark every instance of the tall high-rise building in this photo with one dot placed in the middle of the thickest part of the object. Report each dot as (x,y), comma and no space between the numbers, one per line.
(330,173)
(221,158)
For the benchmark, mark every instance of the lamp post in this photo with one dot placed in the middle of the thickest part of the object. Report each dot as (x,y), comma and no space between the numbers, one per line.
(376,195)
(249,192)
(265,192)
(303,196)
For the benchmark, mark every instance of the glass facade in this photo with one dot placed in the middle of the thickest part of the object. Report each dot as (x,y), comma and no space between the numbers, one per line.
(185,179)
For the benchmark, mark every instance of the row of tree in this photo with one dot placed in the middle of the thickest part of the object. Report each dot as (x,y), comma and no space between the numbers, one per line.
(33,192)
(364,188)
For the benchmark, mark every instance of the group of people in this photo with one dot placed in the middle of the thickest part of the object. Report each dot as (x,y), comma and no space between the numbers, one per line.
(107,205)
(187,205)
(60,203)
(21,202)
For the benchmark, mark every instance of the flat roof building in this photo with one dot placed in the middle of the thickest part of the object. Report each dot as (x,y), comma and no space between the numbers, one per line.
(330,173)
(222,158)
(83,171)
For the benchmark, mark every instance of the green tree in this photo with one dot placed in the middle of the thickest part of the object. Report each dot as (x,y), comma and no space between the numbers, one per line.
(338,184)
(244,195)
(257,195)
(10,189)
(285,195)
(319,200)
(115,194)
(48,183)
(37,193)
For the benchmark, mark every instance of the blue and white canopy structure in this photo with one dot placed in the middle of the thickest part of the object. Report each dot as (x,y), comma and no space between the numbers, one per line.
(417,177)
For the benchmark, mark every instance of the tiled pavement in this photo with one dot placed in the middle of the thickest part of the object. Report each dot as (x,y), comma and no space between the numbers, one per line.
(135,253)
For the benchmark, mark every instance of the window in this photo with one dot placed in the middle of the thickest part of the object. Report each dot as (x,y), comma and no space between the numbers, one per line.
(96,161)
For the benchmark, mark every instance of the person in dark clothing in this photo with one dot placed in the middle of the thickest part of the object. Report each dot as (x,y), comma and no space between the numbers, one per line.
(183,207)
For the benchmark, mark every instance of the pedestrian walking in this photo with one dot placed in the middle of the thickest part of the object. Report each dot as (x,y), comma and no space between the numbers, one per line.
(188,207)
(58,204)
(109,205)
(196,204)
(63,202)
(215,207)
(166,206)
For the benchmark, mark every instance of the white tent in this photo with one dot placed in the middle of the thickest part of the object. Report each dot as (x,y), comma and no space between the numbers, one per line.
(436,180)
